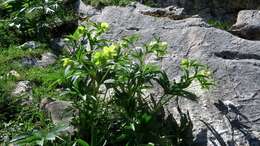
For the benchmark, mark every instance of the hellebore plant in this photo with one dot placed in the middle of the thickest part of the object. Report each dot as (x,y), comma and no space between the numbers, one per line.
(109,83)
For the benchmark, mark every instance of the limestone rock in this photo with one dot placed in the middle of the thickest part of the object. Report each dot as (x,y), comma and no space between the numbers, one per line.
(47,59)
(21,87)
(235,63)
(61,112)
(30,45)
(220,9)
(29,61)
(170,12)
(57,111)
(247,25)
(15,74)
(84,10)
(57,44)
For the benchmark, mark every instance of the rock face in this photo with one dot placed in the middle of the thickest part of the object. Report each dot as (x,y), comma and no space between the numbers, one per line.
(235,63)
(248,24)
(170,12)
(224,9)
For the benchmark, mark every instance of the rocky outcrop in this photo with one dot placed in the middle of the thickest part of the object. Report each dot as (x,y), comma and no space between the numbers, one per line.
(170,12)
(247,25)
(222,9)
(235,63)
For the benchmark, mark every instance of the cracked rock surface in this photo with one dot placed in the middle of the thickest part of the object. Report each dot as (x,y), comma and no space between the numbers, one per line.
(235,63)
(223,9)
(247,25)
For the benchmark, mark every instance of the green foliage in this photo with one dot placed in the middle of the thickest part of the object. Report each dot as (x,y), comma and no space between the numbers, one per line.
(109,83)
(22,116)
(33,20)
(219,24)
(40,78)
(7,34)
(18,115)
(26,20)
(41,137)
(8,106)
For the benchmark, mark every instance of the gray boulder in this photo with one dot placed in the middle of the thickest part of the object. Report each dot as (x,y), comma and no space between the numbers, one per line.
(84,10)
(57,110)
(29,61)
(57,44)
(47,59)
(30,45)
(21,87)
(247,25)
(61,112)
(235,63)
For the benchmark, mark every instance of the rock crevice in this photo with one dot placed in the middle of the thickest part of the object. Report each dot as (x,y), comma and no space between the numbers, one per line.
(233,55)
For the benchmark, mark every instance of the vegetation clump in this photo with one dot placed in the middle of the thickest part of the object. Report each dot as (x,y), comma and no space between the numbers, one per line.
(25,20)
(219,24)
(109,83)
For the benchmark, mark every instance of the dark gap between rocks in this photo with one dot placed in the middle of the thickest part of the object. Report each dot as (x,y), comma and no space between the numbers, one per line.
(236,55)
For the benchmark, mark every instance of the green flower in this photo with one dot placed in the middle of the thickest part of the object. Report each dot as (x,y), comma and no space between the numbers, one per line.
(184,62)
(108,53)
(81,28)
(152,44)
(205,73)
(163,45)
(98,58)
(67,61)
(104,26)
(157,47)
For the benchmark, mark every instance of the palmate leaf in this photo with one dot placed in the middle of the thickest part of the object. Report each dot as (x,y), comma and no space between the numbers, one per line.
(39,137)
